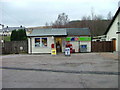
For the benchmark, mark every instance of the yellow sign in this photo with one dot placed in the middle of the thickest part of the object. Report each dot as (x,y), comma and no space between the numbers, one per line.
(53,51)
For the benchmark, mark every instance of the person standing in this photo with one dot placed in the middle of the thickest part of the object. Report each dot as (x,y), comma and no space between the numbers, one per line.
(58,47)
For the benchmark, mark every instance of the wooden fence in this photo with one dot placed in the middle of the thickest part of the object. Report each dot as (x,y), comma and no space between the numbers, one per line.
(102,46)
(15,47)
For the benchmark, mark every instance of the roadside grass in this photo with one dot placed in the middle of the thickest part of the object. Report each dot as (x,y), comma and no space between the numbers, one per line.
(6,38)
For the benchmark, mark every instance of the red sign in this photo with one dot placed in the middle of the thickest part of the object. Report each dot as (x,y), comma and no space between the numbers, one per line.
(76,39)
(52,45)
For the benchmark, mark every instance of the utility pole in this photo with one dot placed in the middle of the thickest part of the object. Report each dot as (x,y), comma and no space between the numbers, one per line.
(2,33)
(2,41)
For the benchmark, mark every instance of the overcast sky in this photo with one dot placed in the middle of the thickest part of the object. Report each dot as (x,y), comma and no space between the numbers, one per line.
(31,13)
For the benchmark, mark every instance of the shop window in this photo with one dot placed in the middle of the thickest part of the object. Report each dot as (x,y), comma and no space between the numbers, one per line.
(44,42)
(83,46)
(40,42)
(37,42)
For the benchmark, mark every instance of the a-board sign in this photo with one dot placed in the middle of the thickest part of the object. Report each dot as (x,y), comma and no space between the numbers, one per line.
(53,51)
(67,51)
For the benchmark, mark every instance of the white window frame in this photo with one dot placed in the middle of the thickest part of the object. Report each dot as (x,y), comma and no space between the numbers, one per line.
(41,42)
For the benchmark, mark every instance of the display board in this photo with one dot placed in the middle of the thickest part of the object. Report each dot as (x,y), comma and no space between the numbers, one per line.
(78,39)
(53,51)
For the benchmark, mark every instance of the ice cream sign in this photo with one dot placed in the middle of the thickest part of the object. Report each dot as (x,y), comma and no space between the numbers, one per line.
(78,39)
(74,39)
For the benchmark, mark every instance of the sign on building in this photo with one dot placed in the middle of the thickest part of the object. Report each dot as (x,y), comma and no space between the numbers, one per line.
(78,39)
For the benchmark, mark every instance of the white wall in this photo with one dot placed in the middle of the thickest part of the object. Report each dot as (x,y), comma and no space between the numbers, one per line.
(29,45)
(119,31)
(50,41)
(119,46)
(63,44)
(40,49)
(112,32)
(6,33)
(75,45)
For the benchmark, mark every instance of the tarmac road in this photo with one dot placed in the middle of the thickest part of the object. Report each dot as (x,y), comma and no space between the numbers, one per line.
(84,70)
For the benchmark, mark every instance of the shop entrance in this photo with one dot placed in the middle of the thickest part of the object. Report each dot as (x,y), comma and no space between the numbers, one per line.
(58,41)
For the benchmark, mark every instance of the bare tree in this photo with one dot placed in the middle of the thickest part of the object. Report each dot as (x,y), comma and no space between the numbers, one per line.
(98,17)
(86,18)
(46,24)
(61,21)
(109,16)
(92,13)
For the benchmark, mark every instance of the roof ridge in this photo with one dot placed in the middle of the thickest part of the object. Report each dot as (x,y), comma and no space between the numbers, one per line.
(117,12)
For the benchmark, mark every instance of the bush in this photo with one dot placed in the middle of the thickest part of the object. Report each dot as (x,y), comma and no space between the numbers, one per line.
(18,35)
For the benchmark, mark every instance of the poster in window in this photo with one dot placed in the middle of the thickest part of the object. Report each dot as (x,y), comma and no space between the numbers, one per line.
(44,42)
(37,42)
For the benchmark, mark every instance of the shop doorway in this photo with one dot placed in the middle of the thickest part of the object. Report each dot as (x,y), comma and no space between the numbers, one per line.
(58,41)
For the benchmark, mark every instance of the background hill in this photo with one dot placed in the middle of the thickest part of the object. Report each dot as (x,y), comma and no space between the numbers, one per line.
(97,27)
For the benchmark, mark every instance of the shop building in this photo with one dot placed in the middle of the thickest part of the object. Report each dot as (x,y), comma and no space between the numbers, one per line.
(44,40)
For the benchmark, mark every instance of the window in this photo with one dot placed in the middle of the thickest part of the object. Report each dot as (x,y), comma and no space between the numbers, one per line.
(83,46)
(44,42)
(103,39)
(40,42)
(37,42)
